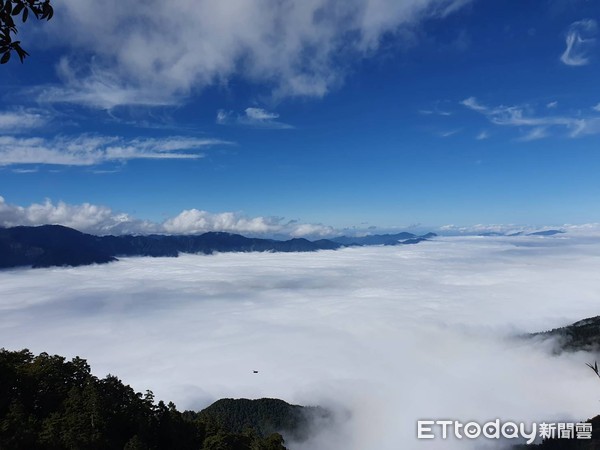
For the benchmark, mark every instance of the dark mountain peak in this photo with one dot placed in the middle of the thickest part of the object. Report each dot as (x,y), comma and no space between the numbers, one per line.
(210,234)
(491,234)
(47,230)
(546,233)
(49,245)
(56,245)
(413,241)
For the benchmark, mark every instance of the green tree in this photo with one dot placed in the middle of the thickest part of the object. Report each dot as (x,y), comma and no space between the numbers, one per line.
(49,403)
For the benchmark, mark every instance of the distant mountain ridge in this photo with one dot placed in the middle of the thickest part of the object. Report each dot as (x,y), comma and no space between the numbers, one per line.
(546,233)
(383,239)
(56,245)
(522,233)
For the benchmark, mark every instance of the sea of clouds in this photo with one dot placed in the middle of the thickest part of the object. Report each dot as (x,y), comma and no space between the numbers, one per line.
(383,336)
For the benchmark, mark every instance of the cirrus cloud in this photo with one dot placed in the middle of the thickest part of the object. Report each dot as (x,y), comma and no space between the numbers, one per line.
(88,150)
(579,41)
(536,126)
(252,117)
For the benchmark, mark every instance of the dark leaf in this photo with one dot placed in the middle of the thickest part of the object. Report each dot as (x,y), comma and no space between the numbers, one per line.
(17,9)
(42,9)
(47,11)
(22,53)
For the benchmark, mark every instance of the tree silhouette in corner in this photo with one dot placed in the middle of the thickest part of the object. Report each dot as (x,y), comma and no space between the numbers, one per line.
(13,10)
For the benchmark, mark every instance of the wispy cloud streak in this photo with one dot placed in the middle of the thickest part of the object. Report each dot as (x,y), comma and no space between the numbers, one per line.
(252,117)
(579,41)
(539,125)
(88,150)
(22,120)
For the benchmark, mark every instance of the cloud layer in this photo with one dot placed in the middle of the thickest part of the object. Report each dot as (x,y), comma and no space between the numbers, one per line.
(97,219)
(390,334)
(157,52)
(102,220)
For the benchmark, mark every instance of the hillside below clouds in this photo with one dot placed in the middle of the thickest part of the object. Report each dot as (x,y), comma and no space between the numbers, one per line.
(56,245)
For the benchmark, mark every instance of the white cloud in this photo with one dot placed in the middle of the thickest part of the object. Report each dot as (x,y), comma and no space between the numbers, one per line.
(474,104)
(252,117)
(579,41)
(552,105)
(156,52)
(313,230)
(449,133)
(471,230)
(483,135)
(97,219)
(585,230)
(21,120)
(35,170)
(534,134)
(194,221)
(484,228)
(260,114)
(539,126)
(596,108)
(435,111)
(87,150)
(391,334)
(100,88)
(85,217)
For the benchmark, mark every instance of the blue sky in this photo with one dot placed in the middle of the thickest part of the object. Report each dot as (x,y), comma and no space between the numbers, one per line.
(368,113)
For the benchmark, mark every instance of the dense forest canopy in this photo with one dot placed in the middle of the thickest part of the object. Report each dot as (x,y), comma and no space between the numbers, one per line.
(48,402)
